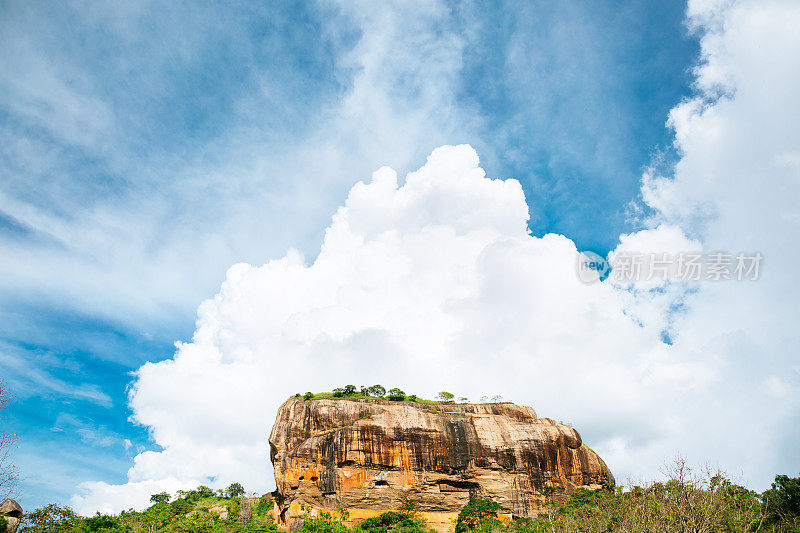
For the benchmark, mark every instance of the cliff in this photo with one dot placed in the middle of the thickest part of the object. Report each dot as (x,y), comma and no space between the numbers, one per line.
(370,455)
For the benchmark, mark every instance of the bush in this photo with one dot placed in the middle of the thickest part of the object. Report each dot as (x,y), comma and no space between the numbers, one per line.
(308,396)
(404,522)
(264,506)
(181,506)
(478,515)
(104,524)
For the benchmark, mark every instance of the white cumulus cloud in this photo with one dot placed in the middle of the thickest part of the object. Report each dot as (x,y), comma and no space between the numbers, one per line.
(434,283)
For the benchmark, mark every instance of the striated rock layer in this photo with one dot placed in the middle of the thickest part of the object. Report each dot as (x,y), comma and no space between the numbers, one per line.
(369,456)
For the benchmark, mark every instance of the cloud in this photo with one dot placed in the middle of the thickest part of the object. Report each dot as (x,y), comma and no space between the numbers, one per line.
(81,158)
(431,284)
(435,283)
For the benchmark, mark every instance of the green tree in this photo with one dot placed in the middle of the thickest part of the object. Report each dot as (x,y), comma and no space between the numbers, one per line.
(445,396)
(205,492)
(53,518)
(181,506)
(308,396)
(376,390)
(349,390)
(396,395)
(234,490)
(783,499)
(161,497)
(478,515)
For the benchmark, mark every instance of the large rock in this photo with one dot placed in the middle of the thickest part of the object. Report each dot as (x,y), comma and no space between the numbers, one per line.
(12,512)
(371,455)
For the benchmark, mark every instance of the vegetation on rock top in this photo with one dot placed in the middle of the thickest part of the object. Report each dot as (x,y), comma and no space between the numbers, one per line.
(378,392)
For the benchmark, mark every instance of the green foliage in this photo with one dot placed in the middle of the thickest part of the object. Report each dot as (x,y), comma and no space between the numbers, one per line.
(445,396)
(3,523)
(161,497)
(234,507)
(181,506)
(685,502)
(403,522)
(390,521)
(396,395)
(188,513)
(204,492)
(264,506)
(102,523)
(478,515)
(375,390)
(52,518)
(783,499)
(234,490)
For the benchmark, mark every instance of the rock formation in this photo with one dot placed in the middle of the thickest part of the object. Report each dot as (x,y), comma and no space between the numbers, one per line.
(12,512)
(369,456)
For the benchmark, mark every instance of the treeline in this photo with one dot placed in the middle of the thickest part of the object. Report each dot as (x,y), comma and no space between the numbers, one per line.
(394,394)
(201,510)
(683,503)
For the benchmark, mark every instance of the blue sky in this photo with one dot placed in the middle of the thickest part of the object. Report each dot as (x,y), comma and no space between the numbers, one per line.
(145,148)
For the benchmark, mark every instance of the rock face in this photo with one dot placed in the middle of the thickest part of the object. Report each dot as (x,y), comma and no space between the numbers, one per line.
(12,512)
(370,456)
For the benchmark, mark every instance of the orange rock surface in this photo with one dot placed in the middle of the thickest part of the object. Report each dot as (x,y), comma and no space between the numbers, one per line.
(370,455)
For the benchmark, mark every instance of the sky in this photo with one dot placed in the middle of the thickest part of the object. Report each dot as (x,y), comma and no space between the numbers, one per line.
(205,208)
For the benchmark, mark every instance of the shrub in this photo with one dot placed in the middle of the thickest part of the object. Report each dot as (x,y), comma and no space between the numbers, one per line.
(308,396)
(181,506)
(478,515)
(104,523)
(234,508)
(264,506)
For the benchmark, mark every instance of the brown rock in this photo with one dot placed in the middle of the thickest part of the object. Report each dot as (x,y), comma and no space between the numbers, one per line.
(370,456)
(12,512)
